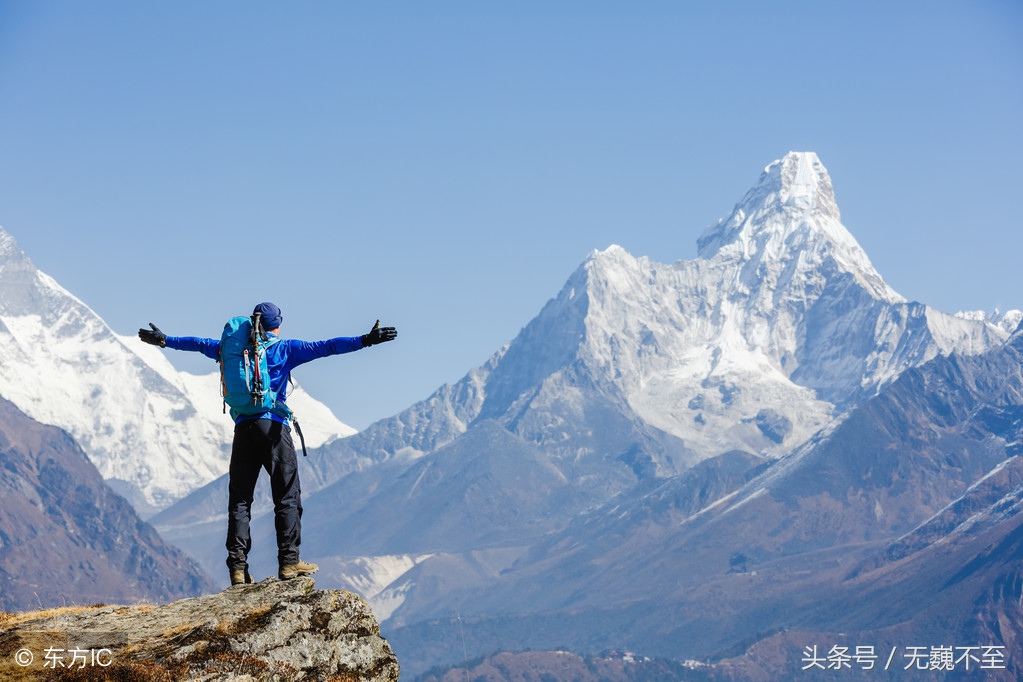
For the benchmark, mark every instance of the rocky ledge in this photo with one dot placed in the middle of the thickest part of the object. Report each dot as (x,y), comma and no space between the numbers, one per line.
(272,630)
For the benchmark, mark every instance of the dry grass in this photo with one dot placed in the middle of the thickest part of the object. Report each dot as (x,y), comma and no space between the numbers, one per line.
(141,671)
(9,670)
(223,628)
(8,620)
(165,670)
(12,620)
(178,630)
(254,620)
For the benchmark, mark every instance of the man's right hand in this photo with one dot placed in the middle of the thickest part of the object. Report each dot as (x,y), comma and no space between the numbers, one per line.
(154,337)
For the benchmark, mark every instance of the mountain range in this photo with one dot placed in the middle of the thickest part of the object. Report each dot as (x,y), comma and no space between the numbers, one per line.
(685,459)
(728,461)
(899,527)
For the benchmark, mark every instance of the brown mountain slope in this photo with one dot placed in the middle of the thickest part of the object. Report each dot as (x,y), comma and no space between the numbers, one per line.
(66,537)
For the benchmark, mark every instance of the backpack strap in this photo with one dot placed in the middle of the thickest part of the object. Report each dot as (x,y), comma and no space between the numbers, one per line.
(282,410)
(301,438)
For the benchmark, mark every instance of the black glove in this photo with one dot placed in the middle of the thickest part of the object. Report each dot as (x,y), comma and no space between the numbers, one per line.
(379,334)
(155,337)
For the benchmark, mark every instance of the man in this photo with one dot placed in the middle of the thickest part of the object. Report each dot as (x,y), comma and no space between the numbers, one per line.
(264,440)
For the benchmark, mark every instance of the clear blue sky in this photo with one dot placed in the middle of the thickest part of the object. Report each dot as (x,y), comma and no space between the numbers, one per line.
(445,166)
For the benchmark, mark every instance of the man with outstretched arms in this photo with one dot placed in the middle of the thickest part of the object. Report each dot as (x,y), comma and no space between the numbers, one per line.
(263,440)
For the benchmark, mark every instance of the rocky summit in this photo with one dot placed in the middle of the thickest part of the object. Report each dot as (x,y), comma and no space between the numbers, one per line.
(271,630)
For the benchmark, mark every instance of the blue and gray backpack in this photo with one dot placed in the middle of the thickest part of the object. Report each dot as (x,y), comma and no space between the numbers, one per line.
(244,379)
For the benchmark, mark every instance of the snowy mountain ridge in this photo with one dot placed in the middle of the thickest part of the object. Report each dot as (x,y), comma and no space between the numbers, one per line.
(780,324)
(154,433)
(758,349)
(634,371)
(789,223)
(1008,321)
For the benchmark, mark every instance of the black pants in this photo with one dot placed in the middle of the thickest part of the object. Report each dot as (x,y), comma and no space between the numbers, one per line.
(263,444)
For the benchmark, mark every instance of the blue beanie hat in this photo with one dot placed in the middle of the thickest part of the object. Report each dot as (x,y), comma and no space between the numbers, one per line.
(270,315)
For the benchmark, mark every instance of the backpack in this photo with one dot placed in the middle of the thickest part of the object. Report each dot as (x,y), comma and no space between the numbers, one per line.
(244,378)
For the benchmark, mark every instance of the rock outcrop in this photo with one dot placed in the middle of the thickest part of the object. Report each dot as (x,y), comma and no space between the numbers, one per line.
(271,630)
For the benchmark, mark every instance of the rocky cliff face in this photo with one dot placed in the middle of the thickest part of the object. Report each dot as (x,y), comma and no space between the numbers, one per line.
(272,630)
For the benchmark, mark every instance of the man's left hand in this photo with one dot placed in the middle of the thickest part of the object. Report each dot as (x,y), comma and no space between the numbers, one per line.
(379,334)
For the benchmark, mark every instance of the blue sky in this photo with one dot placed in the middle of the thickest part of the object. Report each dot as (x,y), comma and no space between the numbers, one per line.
(445,166)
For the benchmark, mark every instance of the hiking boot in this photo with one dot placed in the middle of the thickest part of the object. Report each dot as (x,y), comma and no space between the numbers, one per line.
(296,570)
(240,576)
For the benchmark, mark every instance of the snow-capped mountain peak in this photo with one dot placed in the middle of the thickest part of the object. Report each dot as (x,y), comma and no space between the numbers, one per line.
(153,432)
(788,226)
(780,324)
(804,183)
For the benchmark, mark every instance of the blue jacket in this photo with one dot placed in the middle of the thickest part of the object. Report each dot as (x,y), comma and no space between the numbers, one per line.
(281,358)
